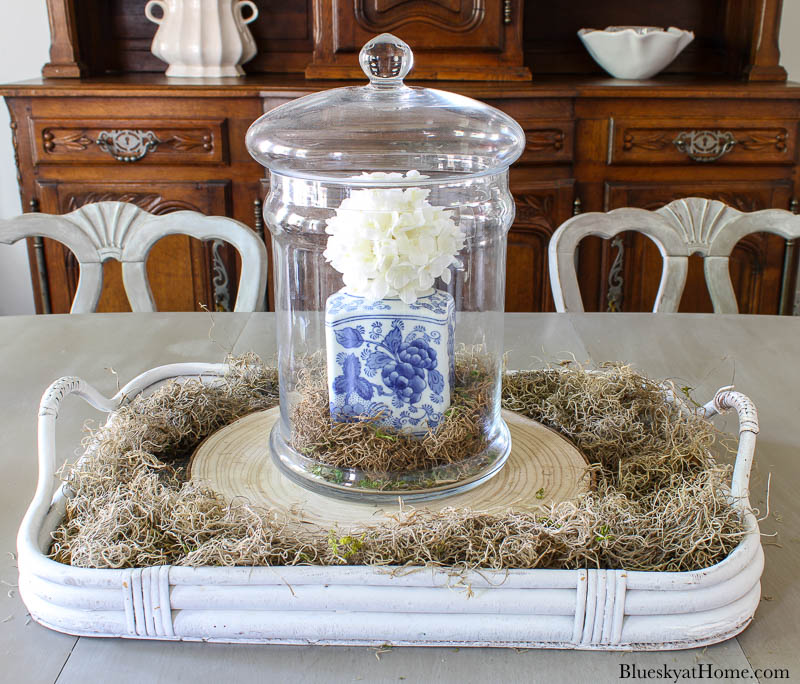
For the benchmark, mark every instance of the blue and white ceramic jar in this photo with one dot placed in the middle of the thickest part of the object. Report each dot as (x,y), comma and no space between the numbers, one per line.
(390,359)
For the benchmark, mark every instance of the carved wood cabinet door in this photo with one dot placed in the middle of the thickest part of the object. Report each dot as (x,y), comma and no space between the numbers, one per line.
(185,274)
(450,38)
(446,23)
(541,207)
(631,264)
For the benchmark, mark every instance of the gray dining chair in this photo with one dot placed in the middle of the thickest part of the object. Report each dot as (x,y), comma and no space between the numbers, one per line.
(122,231)
(679,229)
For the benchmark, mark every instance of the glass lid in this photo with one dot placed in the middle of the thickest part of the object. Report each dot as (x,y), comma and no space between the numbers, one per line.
(385,126)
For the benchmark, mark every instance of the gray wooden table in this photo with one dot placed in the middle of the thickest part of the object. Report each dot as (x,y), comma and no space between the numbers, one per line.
(760,354)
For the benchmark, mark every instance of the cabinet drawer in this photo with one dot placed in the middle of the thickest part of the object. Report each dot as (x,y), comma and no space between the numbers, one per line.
(120,141)
(547,140)
(688,141)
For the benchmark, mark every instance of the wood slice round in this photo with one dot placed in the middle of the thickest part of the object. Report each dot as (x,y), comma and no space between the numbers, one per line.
(235,461)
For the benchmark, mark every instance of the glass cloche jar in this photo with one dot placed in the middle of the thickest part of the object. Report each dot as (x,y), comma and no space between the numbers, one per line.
(389,208)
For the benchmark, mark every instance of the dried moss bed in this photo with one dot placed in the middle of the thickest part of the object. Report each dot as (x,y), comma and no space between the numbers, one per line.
(376,452)
(659,503)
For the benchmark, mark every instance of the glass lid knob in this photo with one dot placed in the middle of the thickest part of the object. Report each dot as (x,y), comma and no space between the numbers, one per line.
(386,60)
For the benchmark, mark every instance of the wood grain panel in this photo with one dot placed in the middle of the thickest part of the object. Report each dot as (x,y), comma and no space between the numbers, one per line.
(452,39)
(541,207)
(668,141)
(80,141)
(547,140)
(457,23)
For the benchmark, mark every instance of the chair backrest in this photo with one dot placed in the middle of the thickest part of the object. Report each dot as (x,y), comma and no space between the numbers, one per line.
(679,229)
(118,230)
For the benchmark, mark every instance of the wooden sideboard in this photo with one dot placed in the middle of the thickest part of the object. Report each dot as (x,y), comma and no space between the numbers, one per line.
(720,124)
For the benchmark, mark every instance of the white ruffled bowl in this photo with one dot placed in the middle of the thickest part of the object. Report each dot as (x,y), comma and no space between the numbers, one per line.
(634,52)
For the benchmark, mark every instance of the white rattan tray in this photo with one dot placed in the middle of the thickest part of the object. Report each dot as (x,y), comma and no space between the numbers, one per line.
(361,605)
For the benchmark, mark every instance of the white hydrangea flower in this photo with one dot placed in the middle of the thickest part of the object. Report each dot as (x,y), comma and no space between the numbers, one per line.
(391,242)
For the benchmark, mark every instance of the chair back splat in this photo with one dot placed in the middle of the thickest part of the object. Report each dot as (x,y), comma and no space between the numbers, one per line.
(122,231)
(679,229)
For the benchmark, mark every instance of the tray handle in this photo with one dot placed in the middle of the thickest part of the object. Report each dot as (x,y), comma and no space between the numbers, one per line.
(49,408)
(725,399)
(48,413)
(54,395)
(61,388)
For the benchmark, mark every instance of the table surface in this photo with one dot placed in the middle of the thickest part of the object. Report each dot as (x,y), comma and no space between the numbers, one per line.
(757,353)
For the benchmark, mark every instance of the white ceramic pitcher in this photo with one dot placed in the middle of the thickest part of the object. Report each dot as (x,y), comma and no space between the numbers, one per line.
(203,37)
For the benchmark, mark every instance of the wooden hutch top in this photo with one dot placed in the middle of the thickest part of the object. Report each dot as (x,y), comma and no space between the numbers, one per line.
(593,142)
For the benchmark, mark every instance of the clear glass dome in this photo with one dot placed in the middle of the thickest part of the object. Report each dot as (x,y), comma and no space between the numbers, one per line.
(389,208)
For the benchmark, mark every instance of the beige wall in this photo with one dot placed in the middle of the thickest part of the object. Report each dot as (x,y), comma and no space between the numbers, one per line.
(25,40)
(24,36)
(790,38)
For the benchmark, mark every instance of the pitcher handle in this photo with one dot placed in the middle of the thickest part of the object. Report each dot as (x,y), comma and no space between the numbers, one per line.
(247,3)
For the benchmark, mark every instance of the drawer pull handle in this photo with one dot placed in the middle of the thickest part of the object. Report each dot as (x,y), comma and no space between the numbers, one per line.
(507,12)
(705,146)
(127,145)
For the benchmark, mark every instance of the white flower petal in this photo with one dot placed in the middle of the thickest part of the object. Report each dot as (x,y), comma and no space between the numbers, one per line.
(390,242)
